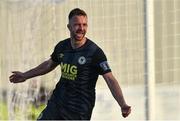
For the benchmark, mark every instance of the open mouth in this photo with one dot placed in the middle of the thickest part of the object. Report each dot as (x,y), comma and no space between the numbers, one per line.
(79,34)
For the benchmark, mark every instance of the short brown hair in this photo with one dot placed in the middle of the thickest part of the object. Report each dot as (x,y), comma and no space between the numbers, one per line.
(75,12)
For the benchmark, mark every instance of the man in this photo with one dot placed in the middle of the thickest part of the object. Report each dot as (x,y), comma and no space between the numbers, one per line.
(81,62)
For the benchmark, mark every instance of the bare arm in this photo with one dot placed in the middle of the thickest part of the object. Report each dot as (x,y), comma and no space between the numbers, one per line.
(42,69)
(117,93)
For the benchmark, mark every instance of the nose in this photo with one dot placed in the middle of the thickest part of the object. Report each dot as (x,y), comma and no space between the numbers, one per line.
(81,27)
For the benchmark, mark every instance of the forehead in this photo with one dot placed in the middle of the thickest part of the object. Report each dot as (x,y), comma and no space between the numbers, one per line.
(79,18)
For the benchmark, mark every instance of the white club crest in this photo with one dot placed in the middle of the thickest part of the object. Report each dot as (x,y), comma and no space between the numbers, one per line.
(82,60)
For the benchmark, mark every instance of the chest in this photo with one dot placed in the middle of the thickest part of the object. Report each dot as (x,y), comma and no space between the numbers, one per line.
(78,58)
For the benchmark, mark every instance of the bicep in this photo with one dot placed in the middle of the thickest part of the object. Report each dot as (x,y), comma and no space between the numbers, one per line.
(101,63)
(51,64)
(110,79)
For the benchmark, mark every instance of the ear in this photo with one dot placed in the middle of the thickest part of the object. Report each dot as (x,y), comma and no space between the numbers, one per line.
(68,26)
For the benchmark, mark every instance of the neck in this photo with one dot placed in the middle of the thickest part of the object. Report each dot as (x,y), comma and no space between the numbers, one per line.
(77,43)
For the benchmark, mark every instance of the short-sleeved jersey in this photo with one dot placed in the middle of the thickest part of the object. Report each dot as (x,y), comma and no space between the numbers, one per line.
(79,73)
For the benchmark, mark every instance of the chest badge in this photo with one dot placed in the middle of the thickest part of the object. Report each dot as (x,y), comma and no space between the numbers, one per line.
(61,55)
(82,60)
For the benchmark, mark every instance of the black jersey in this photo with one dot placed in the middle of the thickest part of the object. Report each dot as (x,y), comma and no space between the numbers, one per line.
(79,72)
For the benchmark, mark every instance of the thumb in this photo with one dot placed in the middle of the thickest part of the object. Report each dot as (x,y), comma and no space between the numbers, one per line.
(15,72)
(126,111)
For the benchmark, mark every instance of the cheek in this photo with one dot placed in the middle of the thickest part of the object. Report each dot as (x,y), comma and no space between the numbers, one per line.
(74,28)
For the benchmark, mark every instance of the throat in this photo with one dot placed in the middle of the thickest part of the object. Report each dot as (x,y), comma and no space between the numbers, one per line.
(77,44)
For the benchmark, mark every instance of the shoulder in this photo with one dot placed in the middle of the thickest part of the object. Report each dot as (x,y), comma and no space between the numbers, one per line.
(63,42)
(96,51)
(62,45)
(93,45)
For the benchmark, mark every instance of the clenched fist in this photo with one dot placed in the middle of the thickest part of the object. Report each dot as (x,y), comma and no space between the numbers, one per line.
(126,110)
(17,77)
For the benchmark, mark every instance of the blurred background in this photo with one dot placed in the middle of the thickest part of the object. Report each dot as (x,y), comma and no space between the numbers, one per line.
(141,39)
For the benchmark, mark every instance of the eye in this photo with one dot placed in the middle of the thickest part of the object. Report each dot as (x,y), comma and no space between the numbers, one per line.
(76,25)
(85,25)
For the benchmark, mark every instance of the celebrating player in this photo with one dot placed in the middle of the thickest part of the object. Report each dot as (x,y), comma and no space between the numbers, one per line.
(81,61)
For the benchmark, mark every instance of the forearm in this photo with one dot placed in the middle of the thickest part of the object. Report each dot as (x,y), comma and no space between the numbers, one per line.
(116,90)
(117,93)
(42,69)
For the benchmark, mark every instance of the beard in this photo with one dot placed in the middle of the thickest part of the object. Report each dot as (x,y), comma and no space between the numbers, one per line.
(78,35)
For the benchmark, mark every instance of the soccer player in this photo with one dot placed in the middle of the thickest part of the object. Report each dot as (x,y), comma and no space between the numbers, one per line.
(81,61)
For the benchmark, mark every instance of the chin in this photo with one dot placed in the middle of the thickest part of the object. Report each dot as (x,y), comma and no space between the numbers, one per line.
(79,39)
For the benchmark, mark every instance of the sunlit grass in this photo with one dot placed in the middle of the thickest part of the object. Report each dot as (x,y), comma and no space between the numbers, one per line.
(32,111)
(3,111)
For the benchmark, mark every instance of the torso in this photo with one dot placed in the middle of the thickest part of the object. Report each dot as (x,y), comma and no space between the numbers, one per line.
(76,88)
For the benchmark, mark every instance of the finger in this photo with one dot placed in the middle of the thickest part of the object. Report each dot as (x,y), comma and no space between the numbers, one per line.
(126,111)
(11,76)
(12,79)
(15,72)
(125,114)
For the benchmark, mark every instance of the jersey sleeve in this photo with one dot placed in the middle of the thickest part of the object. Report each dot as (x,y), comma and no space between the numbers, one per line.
(54,55)
(100,61)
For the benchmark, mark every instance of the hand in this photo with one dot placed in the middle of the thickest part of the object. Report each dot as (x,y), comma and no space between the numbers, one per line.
(17,77)
(126,110)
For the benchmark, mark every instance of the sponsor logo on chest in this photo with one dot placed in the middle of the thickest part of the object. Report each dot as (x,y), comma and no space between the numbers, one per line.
(69,71)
